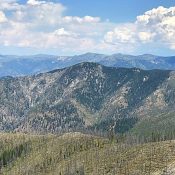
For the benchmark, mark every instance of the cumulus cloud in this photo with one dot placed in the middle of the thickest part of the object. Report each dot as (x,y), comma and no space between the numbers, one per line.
(63,33)
(2,17)
(44,24)
(9,5)
(39,13)
(35,2)
(146,36)
(154,26)
(121,34)
(76,19)
(160,23)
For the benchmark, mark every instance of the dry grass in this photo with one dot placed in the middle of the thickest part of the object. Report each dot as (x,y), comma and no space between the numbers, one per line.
(76,153)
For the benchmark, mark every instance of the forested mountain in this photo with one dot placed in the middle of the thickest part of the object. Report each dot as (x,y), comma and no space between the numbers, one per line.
(86,96)
(29,65)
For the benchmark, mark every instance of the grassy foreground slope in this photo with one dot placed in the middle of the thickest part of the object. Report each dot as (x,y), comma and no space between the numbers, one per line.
(81,154)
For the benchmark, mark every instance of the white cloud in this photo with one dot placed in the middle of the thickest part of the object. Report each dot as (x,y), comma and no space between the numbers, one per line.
(63,33)
(91,19)
(121,34)
(160,23)
(146,36)
(39,13)
(9,5)
(35,2)
(44,24)
(154,26)
(2,17)
(76,19)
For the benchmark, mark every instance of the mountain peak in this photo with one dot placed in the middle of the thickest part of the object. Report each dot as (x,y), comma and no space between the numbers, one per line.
(147,56)
(92,53)
(86,94)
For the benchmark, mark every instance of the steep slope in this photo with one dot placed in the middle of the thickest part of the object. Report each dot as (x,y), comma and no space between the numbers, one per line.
(77,153)
(29,65)
(161,125)
(84,96)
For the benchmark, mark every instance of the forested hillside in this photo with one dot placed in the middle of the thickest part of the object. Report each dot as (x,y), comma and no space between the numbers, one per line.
(81,154)
(86,96)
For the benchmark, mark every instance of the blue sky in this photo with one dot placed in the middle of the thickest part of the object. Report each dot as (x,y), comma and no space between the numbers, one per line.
(115,10)
(68,27)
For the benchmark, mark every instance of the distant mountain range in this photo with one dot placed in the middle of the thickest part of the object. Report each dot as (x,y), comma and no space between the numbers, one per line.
(28,65)
(86,96)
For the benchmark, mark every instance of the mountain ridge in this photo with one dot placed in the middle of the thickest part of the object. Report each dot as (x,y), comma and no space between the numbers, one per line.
(30,65)
(84,96)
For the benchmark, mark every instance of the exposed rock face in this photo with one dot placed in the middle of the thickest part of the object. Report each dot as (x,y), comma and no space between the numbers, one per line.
(86,95)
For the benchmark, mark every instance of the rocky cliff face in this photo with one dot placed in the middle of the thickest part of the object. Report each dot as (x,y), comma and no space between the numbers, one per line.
(86,95)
